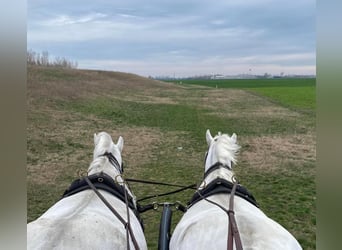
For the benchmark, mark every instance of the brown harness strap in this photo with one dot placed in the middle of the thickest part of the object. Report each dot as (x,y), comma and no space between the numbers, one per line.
(233,232)
(127,225)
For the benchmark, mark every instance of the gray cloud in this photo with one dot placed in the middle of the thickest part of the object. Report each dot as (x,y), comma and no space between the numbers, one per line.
(157,33)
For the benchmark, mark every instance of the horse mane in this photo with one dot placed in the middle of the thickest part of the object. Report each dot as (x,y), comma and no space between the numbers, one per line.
(225,148)
(97,164)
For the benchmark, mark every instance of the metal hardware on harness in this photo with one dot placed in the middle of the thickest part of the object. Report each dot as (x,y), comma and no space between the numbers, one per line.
(155,205)
(116,179)
(203,186)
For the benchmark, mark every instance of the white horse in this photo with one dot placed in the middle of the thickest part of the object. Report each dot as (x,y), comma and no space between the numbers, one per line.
(81,220)
(205,225)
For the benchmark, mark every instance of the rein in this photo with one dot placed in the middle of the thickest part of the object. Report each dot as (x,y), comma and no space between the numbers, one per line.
(233,232)
(127,225)
(182,188)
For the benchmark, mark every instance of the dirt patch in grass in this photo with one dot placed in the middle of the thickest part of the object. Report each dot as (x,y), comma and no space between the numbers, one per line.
(234,102)
(271,152)
(148,98)
(139,142)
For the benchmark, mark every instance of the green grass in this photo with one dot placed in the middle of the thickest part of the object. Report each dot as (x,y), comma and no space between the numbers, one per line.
(285,190)
(40,198)
(252,83)
(180,117)
(302,98)
(297,93)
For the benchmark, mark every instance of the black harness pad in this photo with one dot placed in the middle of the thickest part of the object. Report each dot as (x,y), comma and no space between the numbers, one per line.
(100,181)
(222,186)
(104,182)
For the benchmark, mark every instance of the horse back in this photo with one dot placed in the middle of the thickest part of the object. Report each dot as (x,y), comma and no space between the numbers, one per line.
(205,226)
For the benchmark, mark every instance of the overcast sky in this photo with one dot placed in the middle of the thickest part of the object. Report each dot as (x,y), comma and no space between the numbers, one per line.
(177,37)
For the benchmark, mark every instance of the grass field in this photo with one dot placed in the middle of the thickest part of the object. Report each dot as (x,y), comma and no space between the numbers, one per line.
(298,93)
(164,126)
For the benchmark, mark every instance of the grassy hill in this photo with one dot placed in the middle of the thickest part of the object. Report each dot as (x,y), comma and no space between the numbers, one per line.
(163,125)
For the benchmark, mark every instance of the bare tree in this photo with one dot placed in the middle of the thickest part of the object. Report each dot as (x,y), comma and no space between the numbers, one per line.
(31,57)
(45,58)
(35,58)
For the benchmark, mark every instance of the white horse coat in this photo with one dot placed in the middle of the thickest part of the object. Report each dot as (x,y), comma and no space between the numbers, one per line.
(82,221)
(205,225)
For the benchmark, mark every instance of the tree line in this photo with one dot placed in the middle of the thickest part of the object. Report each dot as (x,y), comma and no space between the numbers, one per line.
(35,58)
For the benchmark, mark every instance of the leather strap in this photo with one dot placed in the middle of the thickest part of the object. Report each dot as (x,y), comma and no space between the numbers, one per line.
(233,232)
(127,225)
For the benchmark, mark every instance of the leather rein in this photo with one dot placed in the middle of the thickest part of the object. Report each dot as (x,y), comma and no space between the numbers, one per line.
(126,224)
(233,232)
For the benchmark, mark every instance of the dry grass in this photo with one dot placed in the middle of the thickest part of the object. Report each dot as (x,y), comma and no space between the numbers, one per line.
(74,84)
(269,152)
(70,139)
(234,102)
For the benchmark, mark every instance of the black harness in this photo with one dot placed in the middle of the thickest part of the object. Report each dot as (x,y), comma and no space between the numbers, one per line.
(100,181)
(221,186)
(104,182)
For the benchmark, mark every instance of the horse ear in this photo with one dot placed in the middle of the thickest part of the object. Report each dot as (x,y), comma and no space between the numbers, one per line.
(120,143)
(234,137)
(208,137)
(95,139)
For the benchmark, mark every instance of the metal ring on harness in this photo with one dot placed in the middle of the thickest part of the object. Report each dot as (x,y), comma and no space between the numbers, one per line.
(204,185)
(119,182)
(234,179)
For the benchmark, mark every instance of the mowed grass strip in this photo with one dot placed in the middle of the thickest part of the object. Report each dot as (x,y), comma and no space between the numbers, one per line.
(180,117)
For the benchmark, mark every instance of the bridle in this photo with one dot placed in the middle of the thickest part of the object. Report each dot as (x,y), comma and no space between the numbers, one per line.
(115,163)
